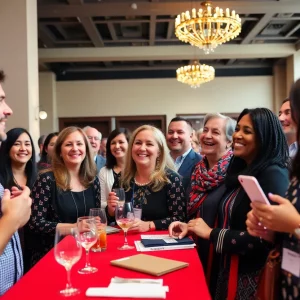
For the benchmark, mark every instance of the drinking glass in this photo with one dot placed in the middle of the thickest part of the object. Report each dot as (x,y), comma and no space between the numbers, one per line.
(67,252)
(125,218)
(101,222)
(120,193)
(87,237)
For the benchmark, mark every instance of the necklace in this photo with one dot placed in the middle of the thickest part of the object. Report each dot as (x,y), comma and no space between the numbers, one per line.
(141,184)
(76,204)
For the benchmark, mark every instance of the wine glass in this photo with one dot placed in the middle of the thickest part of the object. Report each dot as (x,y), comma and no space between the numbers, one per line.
(67,252)
(120,193)
(101,222)
(87,237)
(125,218)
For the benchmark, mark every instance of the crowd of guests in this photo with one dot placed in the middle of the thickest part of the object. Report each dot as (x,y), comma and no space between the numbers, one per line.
(184,181)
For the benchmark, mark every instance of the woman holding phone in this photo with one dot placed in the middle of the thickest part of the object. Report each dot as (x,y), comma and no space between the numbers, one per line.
(284,217)
(237,258)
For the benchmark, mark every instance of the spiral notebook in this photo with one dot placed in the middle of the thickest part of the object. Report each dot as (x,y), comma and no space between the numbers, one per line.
(149,264)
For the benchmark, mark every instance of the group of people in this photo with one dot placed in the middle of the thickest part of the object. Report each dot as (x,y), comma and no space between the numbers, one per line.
(177,189)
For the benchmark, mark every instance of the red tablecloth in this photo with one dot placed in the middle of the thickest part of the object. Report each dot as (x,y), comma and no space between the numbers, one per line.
(48,277)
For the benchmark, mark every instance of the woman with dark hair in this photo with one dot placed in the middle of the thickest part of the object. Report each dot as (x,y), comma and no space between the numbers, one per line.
(17,159)
(63,194)
(47,151)
(116,149)
(237,258)
(285,217)
(17,169)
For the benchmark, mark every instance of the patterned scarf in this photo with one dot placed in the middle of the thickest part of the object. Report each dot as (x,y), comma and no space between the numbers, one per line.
(204,180)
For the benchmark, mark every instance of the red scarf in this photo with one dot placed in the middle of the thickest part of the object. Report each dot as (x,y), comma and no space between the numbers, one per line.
(203,181)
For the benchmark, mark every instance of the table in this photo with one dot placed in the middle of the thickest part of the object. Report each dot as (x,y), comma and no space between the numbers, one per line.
(47,277)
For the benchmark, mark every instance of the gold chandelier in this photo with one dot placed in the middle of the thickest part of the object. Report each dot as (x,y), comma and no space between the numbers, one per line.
(195,74)
(207,28)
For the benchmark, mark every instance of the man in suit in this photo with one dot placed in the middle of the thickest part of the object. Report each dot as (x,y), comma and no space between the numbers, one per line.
(179,139)
(94,137)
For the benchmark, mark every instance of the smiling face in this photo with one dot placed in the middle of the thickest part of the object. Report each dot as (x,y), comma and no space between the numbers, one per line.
(5,111)
(50,147)
(119,146)
(21,150)
(93,136)
(145,149)
(179,137)
(285,118)
(73,149)
(213,139)
(244,140)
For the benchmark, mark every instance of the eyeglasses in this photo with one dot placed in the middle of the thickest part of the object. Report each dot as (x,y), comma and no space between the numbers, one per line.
(93,138)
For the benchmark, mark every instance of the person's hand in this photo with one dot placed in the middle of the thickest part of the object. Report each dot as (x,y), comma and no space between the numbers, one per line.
(283,217)
(112,203)
(18,209)
(15,192)
(178,229)
(255,228)
(139,226)
(200,228)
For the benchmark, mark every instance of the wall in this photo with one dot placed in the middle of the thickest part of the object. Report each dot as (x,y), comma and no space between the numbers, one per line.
(162,96)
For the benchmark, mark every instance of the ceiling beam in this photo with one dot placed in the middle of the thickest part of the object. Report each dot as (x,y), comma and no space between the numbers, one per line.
(45,36)
(162,67)
(184,52)
(152,29)
(171,29)
(292,31)
(92,31)
(112,31)
(262,23)
(162,8)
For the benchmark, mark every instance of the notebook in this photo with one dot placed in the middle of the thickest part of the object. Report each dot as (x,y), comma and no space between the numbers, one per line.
(149,264)
(110,230)
(165,241)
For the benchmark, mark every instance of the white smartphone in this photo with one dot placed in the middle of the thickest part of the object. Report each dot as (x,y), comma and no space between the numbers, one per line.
(253,189)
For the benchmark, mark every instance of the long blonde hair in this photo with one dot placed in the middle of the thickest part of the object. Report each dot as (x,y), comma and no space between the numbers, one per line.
(159,175)
(87,170)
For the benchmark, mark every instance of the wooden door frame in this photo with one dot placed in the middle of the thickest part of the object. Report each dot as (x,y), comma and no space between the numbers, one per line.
(62,121)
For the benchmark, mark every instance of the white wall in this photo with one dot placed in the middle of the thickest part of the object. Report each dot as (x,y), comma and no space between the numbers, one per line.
(162,96)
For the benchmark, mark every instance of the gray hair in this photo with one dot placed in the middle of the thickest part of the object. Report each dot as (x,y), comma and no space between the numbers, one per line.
(229,127)
(89,127)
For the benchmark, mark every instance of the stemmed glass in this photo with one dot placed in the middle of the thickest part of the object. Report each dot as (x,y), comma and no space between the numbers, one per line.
(125,217)
(88,237)
(67,252)
(120,193)
(101,222)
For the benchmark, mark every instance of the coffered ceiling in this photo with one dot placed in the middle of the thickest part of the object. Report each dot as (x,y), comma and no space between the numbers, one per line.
(106,39)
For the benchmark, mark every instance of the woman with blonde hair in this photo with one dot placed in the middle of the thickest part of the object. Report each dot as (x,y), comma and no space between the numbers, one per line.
(65,193)
(150,182)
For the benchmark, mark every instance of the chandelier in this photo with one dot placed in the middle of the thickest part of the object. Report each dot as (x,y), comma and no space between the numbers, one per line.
(195,74)
(207,28)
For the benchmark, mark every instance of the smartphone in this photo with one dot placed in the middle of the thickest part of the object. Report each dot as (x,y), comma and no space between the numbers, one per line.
(253,189)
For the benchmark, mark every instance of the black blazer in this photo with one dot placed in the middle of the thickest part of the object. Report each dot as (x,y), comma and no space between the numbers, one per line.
(251,250)
(187,167)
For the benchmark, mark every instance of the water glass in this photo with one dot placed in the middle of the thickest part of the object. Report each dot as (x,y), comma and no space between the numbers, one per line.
(120,193)
(101,222)
(88,235)
(67,252)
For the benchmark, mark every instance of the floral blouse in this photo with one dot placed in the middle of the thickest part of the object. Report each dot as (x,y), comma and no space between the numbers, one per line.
(290,284)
